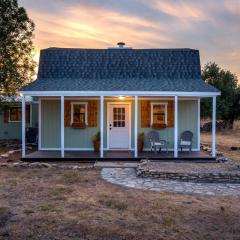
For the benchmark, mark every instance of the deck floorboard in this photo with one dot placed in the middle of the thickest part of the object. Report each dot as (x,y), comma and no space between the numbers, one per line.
(116,155)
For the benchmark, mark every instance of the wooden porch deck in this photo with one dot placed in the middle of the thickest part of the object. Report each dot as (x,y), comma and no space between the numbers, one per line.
(114,155)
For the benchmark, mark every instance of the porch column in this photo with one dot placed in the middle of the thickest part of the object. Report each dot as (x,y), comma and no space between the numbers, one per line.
(199,125)
(101,125)
(39,123)
(214,127)
(23,127)
(136,127)
(62,126)
(175,126)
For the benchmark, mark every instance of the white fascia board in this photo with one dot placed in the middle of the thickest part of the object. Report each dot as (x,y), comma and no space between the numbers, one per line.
(119,93)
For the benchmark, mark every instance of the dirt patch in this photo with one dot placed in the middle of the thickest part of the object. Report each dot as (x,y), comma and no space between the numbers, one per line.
(70,204)
(225,140)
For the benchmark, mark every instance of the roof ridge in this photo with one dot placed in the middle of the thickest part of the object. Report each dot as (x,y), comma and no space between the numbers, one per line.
(141,49)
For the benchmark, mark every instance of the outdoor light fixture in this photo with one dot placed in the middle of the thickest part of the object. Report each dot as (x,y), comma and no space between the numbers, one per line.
(121,97)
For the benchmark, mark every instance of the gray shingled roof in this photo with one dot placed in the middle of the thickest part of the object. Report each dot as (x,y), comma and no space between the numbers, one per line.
(119,70)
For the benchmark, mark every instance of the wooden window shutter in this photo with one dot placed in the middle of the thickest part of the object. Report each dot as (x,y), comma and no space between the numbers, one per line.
(171,113)
(6,115)
(92,113)
(28,113)
(145,113)
(67,113)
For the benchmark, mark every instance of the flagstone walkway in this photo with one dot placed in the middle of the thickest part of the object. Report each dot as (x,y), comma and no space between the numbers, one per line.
(127,177)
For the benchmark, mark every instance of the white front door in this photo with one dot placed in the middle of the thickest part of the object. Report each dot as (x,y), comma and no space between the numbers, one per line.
(118,126)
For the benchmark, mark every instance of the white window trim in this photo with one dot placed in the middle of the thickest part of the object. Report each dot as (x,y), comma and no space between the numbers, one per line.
(165,107)
(9,120)
(86,111)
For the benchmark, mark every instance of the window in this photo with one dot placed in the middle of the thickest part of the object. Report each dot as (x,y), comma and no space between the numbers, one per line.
(118,117)
(79,113)
(15,114)
(158,113)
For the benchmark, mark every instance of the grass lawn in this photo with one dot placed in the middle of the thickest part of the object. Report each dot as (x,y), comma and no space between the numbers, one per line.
(225,140)
(67,204)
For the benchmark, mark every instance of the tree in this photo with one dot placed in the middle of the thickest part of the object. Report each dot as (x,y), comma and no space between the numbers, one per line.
(228,104)
(16,32)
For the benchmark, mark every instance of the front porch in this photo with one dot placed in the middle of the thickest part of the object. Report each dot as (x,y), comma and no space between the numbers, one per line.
(115,156)
(119,121)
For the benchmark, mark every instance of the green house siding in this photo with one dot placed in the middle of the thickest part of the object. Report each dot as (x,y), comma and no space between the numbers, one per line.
(50,124)
(82,138)
(13,130)
(50,132)
(10,130)
(34,115)
(188,119)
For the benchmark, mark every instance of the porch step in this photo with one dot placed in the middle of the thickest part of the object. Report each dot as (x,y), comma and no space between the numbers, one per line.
(115,164)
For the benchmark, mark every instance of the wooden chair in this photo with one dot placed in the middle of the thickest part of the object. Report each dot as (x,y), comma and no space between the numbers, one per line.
(156,142)
(186,140)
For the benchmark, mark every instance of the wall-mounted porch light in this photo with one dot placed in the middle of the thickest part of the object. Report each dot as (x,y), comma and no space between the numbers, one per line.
(121,97)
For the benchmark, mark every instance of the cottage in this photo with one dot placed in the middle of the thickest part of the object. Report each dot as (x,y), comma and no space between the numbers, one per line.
(11,117)
(119,92)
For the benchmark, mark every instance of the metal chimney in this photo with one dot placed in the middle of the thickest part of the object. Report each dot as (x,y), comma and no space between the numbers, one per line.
(121,44)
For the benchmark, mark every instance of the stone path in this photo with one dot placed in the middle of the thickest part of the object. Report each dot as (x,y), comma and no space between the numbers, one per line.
(127,177)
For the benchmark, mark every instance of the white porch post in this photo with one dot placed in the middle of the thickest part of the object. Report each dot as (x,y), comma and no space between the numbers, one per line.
(175,126)
(39,123)
(23,127)
(214,127)
(199,125)
(101,125)
(62,126)
(136,127)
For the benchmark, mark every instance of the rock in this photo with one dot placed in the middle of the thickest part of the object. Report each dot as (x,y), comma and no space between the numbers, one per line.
(75,167)
(21,165)
(40,165)
(219,153)
(3,165)
(235,148)
(5,234)
(5,215)
(5,155)
(11,152)
(221,159)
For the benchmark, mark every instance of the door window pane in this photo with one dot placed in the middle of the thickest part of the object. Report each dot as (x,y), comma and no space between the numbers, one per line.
(118,117)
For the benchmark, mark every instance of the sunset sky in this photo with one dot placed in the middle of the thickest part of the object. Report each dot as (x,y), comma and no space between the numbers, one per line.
(212,26)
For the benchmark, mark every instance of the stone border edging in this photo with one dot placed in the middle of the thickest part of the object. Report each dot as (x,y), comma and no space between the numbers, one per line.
(200,177)
(45,165)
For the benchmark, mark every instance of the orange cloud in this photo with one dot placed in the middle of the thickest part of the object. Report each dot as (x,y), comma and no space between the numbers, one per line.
(78,27)
(194,24)
(185,13)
